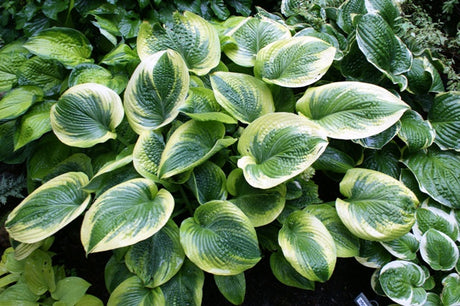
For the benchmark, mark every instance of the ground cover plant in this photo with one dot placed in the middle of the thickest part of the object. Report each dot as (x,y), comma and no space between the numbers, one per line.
(193,143)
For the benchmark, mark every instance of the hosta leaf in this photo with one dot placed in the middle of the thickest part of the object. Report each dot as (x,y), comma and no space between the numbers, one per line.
(277,147)
(242,96)
(49,208)
(121,55)
(45,73)
(251,35)
(435,218)
(18,294)
(190,145)
(208,182)
(372,254)
(401,282)
(444,116)
(70,290)
(186,287)
(417,133)
(383,48)
(329,38)
(334,160)
(347,11)
(147,154)
(115,273)
(156,90)
(125,214)
(438,250)
(261,206)
(193,37)
(77,162)
(347,245)
(89,300)
(87,114)
(157,259)
(423,77)
(286,274)
(66,45)
(91,73)
(380,140)
(133,292)
(350,110)
(33,124)
(220,239)
(438,174)
(39,273)
(404,247)
(385,160)
(294,62)
(233,287)
(388,9)
(451,289)
(378,207)
(17,101)
(308,246)
(12,56)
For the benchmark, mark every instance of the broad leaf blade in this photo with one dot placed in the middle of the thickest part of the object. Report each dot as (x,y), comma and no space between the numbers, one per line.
(438,250)
(45,73)
(147,154)
(233,287)
(286,274)
(444,116)
(208,183)
(417,133)
(12,56)
(17,101)
(133,292)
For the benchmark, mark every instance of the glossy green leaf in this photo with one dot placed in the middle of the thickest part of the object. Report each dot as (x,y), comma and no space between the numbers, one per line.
(385,160)
(444,116)
(347,245)
(18,294)
(378,141)
(383,48)
(329,38)
(190,145)
(347,11)
(378,207)
(70,290)
(220,239)
(186,287)
(294,62)
(438,250)
(404,247)
(372,254)
(89,300)
(334,160)
(401,281)
(49,208)
(435,218)
(233,287)
(423,77)
(133,292)
(91,73)
(17,101)
(242,96)
(38,273)
(121,55)
(33,124)
(156,90)
(417,133)
(157,259)
(125,214)
(388,9)
(450,294)
(350,110)
(77,162)
(208,183)
(251,35)
(308,246)
(87,114)
(286,274)
(66,45)
(277,147)
(192,36)
(438,174)
(115,273)
(44,73)
(147,154)
(12,56)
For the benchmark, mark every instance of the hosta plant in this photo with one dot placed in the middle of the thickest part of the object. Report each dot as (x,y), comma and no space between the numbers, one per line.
(195,148)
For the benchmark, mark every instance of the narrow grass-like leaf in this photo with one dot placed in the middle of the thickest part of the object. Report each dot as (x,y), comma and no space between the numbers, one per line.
(444,116)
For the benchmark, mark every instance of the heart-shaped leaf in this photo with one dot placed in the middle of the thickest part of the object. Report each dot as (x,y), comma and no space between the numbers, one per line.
(220,239)
(308,246)
(17,101)
(334,160)
(294,62)
(91,73)
(438,250)
(378,141)
(385,160)
(156,90)
(347,11)
(87,114)
(147,154)
(451,289)
(12,56)
(444,116)
(49,208)
(417,133)
(388,9)
(372,254)
(286,274)
(423,77)
(208,182)
(435,218)
(44,73)
(378,207)
(404,247)
(133,292)
(125,214)
(70,290)
(277,147)
(233,287)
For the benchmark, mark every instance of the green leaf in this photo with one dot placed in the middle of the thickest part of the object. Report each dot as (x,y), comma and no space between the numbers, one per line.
(12,56)
(44,73)
(277,147)
(334,160)
(423,77)
(89,300)
(388,9)
(251,35)
(286,274)
(378,141)
(91,73)
(435,218)
(87,114)
(444,116)
(192,36)
(347,11)
(401,282)
(438,250)
(115,273)
(17,101)
(156,90)
(372,254)
(190,145)
(157,259)
(133,292)
(404,247)
(70,290)
(350,110)
(220,239)
(122,55)
(417,133)
(385,160)
(33,124)
(451,289)
(383,48)
(438,174)
(233,287)
(68,46)
(125,214)
(186,287)
(49,208)
(208,182)
(147,154)
(329,38)
(39,273)
(294,62)
(18,294)
(378,207)
(51,8)
(242,96)
(308,246)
